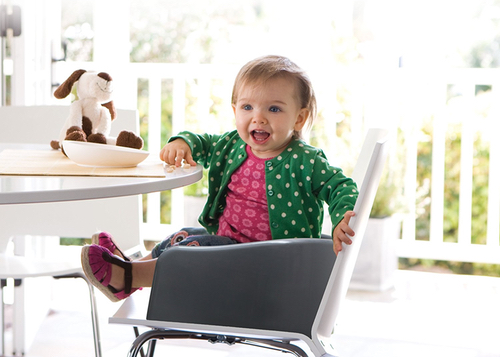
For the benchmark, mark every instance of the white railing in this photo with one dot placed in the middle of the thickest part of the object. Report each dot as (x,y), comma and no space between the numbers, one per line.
(436,83)
(179,74)
(395,97)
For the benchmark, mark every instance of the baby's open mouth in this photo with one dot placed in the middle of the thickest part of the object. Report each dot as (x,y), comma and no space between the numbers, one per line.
(260,135)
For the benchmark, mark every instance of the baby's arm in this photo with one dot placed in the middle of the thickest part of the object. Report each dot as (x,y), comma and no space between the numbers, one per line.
(175,151)
(341,231)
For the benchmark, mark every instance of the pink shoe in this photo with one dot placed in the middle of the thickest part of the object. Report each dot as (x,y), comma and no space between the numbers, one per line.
(104,239)
(96,263)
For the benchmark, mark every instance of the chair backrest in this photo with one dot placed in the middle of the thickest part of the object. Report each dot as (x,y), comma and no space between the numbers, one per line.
(366,174)
(40,125)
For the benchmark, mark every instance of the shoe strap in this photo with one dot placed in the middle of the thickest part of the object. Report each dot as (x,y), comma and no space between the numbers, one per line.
(126,265)
(113,244)
(127,259)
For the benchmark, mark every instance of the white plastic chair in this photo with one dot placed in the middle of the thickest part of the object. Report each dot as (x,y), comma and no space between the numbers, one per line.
(266,294)
(78,219)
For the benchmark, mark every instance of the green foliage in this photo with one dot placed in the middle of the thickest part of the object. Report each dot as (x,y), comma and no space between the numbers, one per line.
(452,182)
(78,36)
(200,188)
(166,207)
(453,141)
(480,189)
(189,31)
(480,172)
(443,266)
(74,241)
(424,164)
(142,107)
(389,199)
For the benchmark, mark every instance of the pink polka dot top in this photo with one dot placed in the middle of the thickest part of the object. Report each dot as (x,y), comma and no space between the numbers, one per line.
(245,217)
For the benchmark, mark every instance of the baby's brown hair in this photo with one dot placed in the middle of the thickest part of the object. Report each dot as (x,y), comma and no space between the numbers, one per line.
(262,69)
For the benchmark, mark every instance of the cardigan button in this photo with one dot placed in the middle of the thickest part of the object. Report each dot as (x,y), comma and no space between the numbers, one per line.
(275,225)
(270,193)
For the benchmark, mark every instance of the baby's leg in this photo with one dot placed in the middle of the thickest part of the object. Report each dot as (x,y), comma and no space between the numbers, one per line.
(142,274)
(189,237)
(118,278)
(143,268)
(115,277)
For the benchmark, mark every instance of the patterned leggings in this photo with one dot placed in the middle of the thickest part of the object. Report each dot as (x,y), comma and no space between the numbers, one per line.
(190,237)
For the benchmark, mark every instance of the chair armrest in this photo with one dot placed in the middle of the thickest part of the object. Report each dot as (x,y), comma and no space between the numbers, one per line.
(273,285)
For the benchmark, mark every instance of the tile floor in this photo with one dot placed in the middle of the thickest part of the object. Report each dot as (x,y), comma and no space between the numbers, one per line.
(425,314)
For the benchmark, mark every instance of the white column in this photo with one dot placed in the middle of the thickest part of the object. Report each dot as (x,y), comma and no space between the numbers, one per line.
(32,52)
(154,143)
(111,31)
(493,229)
(438,165)
(111,48)
(466,165)
(178,119)
(2,79)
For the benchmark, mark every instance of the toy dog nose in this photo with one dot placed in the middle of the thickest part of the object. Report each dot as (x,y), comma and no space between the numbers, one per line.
(105,76)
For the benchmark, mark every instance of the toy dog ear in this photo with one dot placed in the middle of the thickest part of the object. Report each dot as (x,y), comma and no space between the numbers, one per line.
(64,89)
(111,107)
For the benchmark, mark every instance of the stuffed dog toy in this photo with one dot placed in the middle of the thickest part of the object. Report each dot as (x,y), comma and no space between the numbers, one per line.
(90,116)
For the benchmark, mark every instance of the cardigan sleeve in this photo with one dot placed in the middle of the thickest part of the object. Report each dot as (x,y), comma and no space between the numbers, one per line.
(331,185)
(221,154)
(202,145)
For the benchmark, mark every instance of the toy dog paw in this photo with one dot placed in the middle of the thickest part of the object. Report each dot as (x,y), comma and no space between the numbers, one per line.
(97,138)
(130,140)
(76,134)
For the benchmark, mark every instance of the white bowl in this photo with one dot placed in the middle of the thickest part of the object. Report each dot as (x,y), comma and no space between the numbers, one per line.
(102,155)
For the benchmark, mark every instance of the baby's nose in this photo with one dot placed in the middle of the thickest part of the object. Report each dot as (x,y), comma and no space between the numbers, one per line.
(260,118)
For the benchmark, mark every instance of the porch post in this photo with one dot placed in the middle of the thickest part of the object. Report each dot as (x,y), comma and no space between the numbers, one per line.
(32,52)
(112,46)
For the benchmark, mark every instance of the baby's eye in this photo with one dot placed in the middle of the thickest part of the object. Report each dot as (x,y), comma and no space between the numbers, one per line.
(247,107)
(274,109)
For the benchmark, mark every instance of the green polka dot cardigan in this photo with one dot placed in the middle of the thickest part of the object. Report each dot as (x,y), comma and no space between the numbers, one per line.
(298,182)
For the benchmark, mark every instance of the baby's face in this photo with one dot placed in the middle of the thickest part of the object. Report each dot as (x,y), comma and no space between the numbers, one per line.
(267,116)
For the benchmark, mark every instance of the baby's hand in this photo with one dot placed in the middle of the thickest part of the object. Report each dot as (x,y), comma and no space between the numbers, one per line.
(175,151)
(341,231)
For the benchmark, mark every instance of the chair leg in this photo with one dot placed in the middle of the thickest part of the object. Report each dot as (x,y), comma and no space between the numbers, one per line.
(151,336)
(3,283)
(151,348)
(158,334)
(93,311)
(137,334)
(95,319)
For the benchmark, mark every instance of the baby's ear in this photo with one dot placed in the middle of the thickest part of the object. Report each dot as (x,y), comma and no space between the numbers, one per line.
(301,119)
